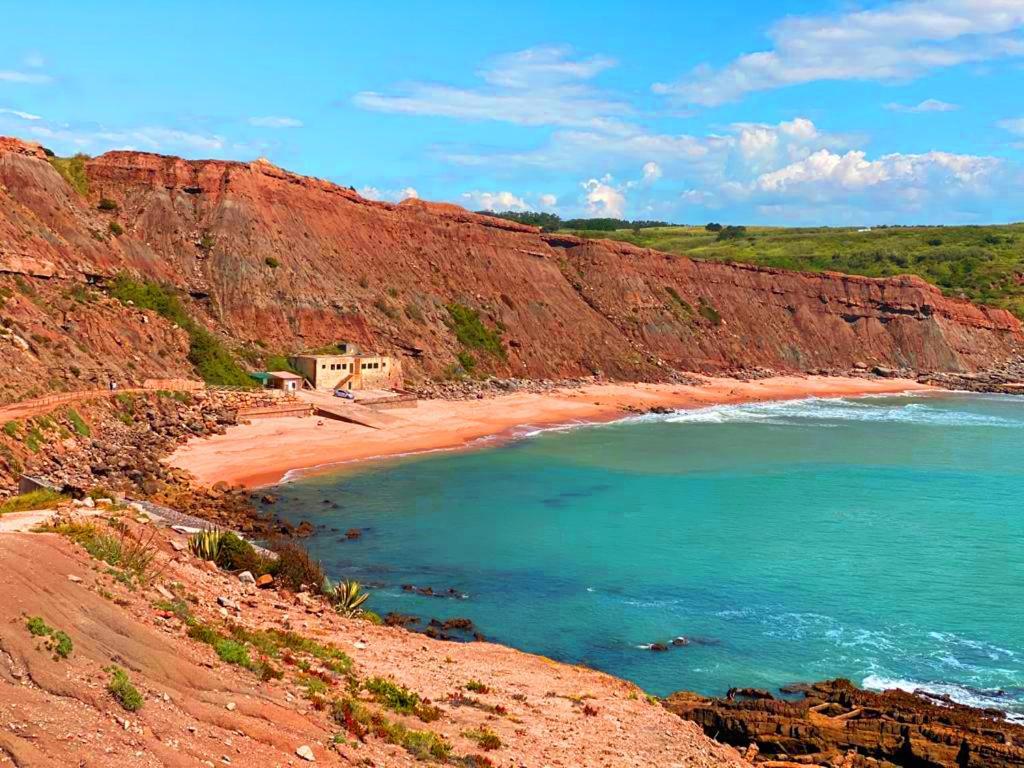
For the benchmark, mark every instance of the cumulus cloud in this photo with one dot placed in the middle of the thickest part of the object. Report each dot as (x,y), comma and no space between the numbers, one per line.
(898,41)
(652,172)
(602,198)
(19,114)
(928,105)
(548,201)
(495,201)
(273,121)
(393,195)
(825,175)
(538,86)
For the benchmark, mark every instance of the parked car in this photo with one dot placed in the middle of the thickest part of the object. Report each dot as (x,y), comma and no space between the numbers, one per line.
(344,393)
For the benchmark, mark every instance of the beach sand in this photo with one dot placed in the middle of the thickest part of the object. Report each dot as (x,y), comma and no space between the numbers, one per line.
(264,451)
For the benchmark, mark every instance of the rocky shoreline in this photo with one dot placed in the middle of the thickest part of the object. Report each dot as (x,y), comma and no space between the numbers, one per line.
(838,725)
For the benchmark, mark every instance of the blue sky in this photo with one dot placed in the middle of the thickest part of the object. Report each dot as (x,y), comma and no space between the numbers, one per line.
(783,112)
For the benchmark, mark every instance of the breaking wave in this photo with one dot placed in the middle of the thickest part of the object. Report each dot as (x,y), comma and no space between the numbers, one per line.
(833,412)
(982,698)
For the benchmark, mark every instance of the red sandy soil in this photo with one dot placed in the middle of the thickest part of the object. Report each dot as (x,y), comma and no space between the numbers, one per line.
(262,452)
(199,710)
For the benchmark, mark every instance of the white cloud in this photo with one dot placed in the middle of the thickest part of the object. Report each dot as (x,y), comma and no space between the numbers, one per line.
(19,114)
(548,201)
(602,199)
(1014,125)
(928,105)
(394,195)
(911,177)
(29,78)
(652,172)
(495,201)
(272,121)
(538,86)
(894,42)
(151,138)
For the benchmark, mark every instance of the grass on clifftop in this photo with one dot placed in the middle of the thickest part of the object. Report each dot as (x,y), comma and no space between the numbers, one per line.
(983,263)
(212,360)
(73,171)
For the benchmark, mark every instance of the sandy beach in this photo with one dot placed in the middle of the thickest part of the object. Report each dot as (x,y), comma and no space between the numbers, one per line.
(264,451)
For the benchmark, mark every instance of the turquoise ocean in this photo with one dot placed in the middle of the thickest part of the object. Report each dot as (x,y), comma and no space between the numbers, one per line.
(879,539)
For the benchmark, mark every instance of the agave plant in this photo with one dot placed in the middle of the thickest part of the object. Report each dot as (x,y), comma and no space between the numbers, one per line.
(206,544)
(347,597)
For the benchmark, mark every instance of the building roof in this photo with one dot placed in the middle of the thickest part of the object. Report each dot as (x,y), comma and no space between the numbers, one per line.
(283,375)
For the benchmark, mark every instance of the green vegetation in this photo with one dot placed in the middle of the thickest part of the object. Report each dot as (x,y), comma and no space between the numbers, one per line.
(212,360)
(477,687)
(11,428)
(400,699)
(983,263)
(73,171)
(550,222)
(358,721)
(271,262)
(115,229)
(130,556)
(121,688)
(78,423)
(708,312)
(56,640)
(471,332)
(347,597)
(106,204)
(486,738)
(41,498)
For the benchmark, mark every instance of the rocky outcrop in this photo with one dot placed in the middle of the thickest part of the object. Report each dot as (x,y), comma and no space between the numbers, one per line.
(280,261)
(837,724)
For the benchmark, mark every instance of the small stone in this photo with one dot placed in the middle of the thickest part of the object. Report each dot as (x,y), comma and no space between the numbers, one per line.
(75,579)
(306,753)
(230,706)
(246,577)
(264,581)
(178,546)
(359,645)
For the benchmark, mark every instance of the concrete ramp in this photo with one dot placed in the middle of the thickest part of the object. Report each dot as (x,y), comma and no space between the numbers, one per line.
(354,414)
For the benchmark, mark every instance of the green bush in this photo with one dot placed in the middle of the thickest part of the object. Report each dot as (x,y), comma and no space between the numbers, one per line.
(106,204)
(271,262)
(121,688)
(115,229)
(296,568)
(471,332)
(11,428)
(57,640)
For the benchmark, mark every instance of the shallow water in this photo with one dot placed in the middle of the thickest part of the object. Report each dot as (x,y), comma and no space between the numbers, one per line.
(880,539)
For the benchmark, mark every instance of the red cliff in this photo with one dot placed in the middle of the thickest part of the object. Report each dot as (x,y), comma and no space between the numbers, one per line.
(283,261)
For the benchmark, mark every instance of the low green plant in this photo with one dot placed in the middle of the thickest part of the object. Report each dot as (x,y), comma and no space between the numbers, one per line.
(78,423)
(206,544)
(121,688)
(12,428)
(296,568)
(41,498)
(271,262)
(359,722)
(477,687)
(232,650)
(347,597)
(106,204)
(115,229)
(486,738)
(57,640)
(132,555)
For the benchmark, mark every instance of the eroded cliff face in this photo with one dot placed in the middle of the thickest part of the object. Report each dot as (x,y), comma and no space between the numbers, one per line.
(283,262)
